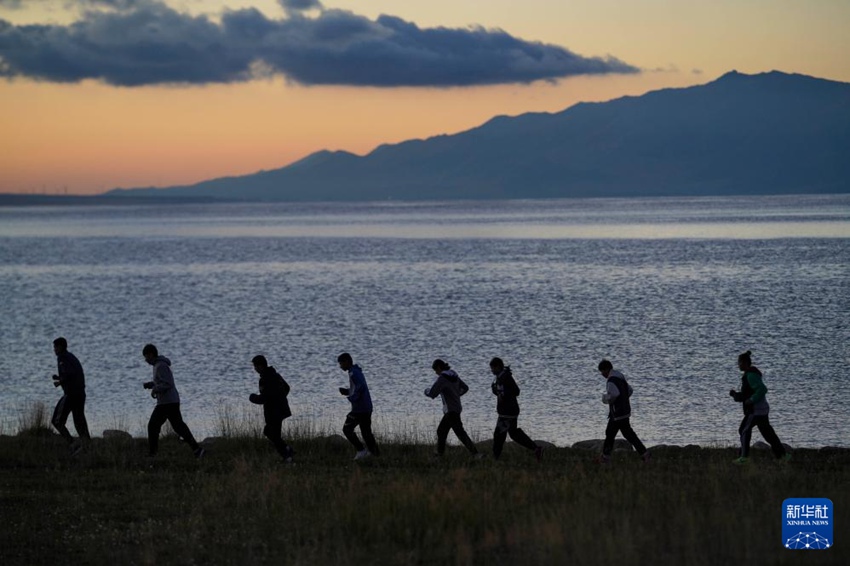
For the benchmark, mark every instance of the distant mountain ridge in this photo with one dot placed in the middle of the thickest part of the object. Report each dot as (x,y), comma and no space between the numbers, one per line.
(770,133)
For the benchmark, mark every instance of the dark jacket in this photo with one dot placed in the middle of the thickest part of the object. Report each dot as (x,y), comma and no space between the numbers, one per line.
(71,376)
(506,391)
(619,392)
(273,392)
(358,391)
(753,393)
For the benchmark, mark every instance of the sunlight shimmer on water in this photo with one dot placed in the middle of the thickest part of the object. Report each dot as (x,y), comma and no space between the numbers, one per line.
(670,289)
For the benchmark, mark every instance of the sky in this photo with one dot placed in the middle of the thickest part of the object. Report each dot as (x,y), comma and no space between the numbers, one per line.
(100,94)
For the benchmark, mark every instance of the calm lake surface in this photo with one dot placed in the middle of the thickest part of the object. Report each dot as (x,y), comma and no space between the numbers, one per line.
(670,290)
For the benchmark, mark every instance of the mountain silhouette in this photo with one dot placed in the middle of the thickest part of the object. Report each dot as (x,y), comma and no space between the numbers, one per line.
(769,133)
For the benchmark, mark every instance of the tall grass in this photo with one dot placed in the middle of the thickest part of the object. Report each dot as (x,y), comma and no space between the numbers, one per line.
(237,422)
(120,421)
(34,419)
(241,505)
(111,504)
(246,422)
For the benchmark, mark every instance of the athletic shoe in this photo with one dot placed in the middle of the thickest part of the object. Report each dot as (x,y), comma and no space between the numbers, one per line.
(288,454)
(75,448)
(478,456)
(538,453)
(199,452)
(786,457)
(603,459)
(647,456)
(741,460)
(362,454)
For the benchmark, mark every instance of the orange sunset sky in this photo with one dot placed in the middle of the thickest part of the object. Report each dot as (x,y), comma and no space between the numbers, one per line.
(99,94)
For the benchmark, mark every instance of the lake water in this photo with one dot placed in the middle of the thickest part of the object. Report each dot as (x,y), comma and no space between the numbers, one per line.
(670,290)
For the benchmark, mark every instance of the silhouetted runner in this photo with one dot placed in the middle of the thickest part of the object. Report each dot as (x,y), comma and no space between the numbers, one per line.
(756,409)
(450,387)
(73,401)
(360,415)
(273,392)
(167,403)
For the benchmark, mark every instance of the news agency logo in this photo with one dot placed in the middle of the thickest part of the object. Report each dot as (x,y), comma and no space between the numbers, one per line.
(807,523)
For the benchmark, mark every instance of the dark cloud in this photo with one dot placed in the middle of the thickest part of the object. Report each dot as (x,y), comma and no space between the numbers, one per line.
(118,4)
(70,4)
(300,5)
(145,42)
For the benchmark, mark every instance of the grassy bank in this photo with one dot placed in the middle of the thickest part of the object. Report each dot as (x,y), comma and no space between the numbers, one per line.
(240,505)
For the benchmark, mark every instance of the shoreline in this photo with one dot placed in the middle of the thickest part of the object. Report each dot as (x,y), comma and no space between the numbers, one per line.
(590,445)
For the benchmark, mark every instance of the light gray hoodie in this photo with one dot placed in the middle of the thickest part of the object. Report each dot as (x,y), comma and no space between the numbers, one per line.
(449,387)
(163,382)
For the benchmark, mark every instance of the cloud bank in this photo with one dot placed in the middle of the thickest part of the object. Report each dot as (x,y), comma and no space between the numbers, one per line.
(145,42)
